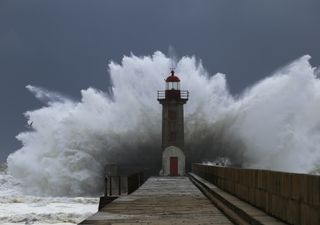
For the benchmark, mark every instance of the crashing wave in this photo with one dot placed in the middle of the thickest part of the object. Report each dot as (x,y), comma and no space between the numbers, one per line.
(275,125)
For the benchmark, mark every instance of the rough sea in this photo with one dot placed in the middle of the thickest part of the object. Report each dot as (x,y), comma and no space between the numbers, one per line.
(18,208)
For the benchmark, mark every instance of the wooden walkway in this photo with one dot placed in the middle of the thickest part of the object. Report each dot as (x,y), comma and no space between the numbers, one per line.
(161,201)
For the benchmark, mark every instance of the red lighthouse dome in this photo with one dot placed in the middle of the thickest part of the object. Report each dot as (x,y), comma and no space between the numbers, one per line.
(172,77)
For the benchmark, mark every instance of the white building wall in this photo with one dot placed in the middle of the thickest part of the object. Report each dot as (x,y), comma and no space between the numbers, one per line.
(173,151)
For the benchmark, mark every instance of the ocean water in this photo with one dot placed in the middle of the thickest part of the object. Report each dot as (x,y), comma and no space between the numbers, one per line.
(18,208)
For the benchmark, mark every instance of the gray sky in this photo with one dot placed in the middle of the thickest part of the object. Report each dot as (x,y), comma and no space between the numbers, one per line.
(65,45)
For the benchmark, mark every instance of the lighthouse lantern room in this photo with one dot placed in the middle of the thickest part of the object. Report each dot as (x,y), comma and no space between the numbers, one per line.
(172,100)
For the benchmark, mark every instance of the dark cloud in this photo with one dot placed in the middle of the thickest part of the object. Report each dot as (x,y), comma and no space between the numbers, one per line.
(65,45)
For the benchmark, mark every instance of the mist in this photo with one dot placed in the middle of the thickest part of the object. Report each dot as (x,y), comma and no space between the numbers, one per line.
(274,124)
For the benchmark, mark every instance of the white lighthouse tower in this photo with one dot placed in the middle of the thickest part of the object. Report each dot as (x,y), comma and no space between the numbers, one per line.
(172,100)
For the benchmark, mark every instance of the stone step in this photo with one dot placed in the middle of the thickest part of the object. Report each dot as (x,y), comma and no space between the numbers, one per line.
(237,210)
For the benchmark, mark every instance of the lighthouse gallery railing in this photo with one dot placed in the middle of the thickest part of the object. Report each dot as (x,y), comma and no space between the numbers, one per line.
(183,94)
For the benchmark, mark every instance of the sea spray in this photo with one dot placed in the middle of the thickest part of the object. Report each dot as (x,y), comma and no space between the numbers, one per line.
(273,125)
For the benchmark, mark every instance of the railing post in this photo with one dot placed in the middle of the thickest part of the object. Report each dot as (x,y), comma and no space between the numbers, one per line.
(110,180)
(119,183)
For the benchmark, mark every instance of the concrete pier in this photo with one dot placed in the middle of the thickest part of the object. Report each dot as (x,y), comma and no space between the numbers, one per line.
(161,200)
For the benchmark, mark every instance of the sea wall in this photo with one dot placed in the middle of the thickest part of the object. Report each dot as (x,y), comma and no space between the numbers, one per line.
(293,198)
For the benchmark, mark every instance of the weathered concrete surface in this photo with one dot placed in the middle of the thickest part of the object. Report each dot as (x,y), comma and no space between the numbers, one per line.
(161,200)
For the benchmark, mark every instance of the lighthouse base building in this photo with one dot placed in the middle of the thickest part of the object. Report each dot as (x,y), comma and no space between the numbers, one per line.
(172,101)
(173,162)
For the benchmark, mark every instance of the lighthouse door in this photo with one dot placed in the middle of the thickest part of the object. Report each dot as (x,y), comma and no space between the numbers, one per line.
(173,166)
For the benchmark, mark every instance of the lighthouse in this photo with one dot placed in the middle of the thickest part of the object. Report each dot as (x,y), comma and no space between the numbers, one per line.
(172,100)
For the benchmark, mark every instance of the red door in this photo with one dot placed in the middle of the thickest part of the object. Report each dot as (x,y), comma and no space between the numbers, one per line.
(173,166)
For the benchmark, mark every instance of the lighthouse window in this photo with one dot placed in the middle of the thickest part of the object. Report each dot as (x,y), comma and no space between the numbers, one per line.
(172,115)
(173,86)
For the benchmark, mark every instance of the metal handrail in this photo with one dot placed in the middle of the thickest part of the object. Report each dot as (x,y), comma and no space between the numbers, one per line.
(184,94)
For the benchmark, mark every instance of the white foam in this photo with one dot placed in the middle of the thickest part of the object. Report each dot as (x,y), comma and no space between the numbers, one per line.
(17,208)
